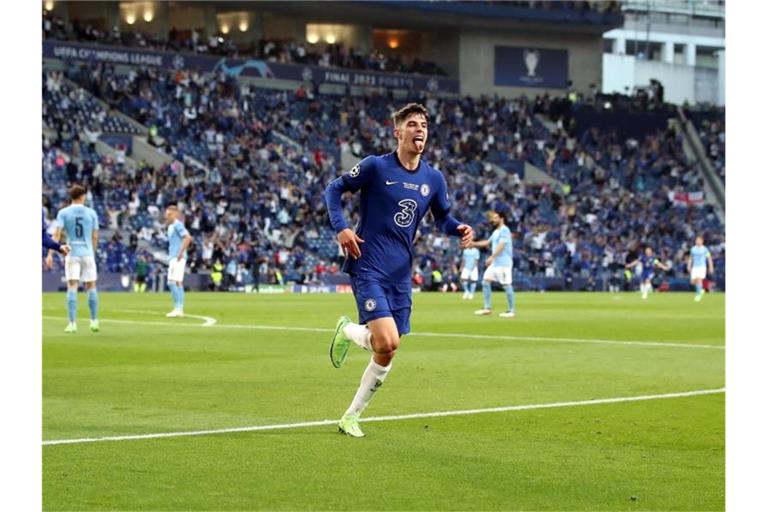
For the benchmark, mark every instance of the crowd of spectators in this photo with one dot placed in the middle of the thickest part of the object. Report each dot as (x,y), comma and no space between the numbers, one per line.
(273,50)
(255,206)
(712,134)
(336,55)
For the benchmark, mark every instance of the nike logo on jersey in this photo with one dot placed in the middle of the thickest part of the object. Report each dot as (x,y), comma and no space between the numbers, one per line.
(390,182)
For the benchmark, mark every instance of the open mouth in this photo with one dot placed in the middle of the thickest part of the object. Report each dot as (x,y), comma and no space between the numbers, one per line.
(418,141)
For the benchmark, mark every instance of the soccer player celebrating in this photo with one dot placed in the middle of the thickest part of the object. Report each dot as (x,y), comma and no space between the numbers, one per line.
(469,260)
(178,241)
(498,266)
(649,262)
(81,225)
(698,261)
(396,191)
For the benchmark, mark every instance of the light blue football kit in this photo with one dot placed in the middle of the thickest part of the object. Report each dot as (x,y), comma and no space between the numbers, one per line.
(176,235)
(501,266)
(79,223)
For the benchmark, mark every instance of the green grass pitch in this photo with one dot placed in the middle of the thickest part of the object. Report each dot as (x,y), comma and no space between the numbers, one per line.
(146,374)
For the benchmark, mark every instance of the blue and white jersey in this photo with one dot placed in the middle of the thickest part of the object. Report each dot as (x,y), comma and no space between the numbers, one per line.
(699,256)
(470,256)
(176,234)
(648,263)
(393,200)
(79,222)
(502,234)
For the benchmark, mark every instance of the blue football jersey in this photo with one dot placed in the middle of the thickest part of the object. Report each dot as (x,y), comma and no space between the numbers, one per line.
(79,222)
(648,263)
(393,201)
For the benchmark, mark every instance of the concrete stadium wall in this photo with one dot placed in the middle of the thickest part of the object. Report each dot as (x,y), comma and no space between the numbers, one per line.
(442,48)
(681,82)
(476,59)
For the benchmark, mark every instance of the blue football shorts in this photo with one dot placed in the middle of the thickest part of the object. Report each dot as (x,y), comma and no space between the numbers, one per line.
(379,299)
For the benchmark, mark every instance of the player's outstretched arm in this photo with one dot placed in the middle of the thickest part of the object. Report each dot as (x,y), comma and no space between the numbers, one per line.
(481,244)
(467,234)
(57,239)
(448,224)
(632,264)
(48,242)
(333,193)
(357,178)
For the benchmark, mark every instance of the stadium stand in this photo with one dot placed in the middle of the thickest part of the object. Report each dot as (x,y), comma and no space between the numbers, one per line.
(711,130)
(256,206)
(272,50)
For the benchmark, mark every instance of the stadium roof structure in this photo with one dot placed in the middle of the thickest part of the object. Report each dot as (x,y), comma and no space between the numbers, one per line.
(421,14)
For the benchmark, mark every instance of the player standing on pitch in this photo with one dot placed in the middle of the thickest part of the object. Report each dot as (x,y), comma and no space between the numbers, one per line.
(470,258)
(698,260)
(396,191)
(498,265)
(81,225)
(178,241)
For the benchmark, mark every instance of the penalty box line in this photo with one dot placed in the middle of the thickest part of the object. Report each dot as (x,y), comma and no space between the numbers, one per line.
(415,334)
(439,414)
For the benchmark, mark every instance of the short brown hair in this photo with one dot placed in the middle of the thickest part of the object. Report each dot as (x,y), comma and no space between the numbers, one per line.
(411,108)
(76,192)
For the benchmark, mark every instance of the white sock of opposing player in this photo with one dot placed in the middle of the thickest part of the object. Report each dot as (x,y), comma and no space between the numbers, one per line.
(360,334)
(373,378)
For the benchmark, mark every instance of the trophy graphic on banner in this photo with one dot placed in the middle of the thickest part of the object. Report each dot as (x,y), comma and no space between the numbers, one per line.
(531,59)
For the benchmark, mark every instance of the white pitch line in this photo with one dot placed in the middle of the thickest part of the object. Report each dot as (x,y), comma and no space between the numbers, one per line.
(439,414)
(132,322)
(208,320)
(426,334)
(569,340)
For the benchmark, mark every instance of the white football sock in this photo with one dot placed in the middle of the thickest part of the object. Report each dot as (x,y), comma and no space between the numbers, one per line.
(373,377)
(360,334)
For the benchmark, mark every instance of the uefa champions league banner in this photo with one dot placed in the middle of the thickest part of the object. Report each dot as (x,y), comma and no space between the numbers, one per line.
(244,67)
(530,67)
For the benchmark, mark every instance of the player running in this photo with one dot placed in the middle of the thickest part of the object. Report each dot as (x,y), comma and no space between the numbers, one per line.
(470,258)
(649,262)
(498,264)
(699,259)
(396,191)
(178,241)
(81,225)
